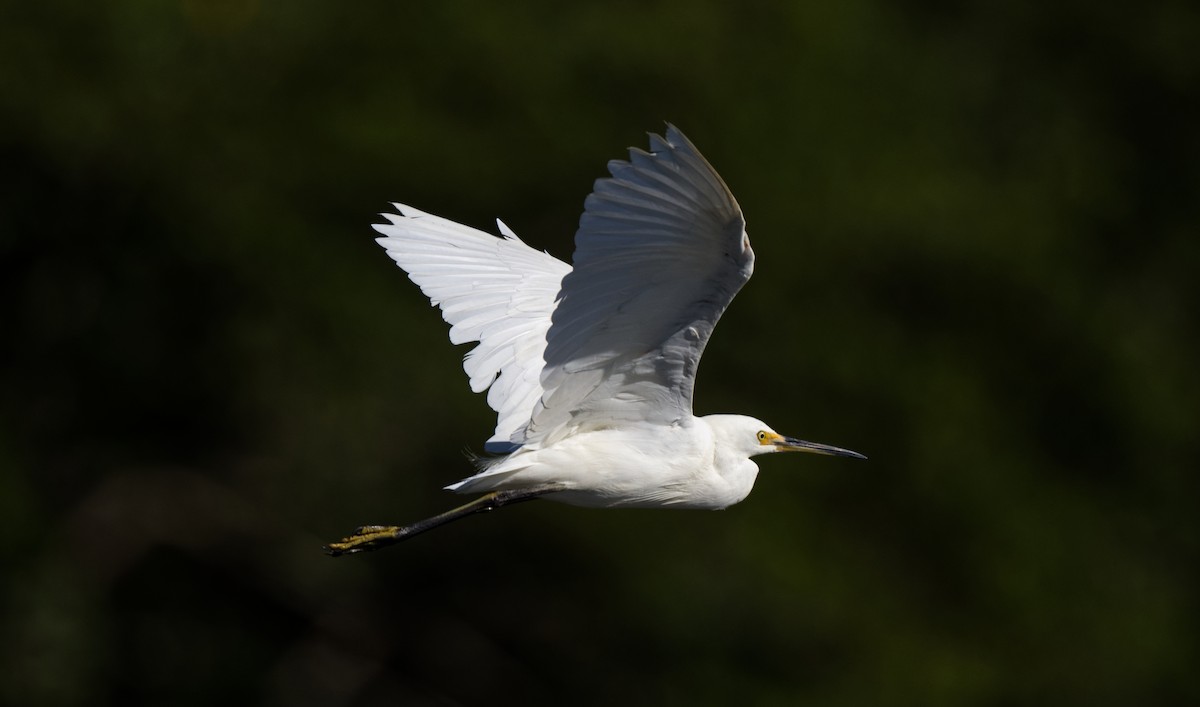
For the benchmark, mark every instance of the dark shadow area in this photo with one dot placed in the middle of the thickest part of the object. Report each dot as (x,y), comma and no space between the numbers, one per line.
(976,230)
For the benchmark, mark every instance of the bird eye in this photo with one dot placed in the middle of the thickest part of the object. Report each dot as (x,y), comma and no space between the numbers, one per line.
(762,437)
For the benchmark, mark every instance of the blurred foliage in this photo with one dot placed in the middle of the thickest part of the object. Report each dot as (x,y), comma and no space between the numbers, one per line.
(977,230)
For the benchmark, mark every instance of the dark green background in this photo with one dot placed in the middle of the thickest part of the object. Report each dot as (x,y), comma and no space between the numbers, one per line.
(977,239)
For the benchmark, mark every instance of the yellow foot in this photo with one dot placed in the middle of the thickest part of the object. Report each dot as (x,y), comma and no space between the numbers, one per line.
(368,537)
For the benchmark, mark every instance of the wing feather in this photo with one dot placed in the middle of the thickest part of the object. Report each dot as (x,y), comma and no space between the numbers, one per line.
(660,252)
(494,290)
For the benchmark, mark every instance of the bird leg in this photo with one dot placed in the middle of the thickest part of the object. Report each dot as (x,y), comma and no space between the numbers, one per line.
(373,537)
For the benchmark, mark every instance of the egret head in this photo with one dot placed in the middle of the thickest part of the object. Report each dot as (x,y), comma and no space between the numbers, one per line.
(754,437)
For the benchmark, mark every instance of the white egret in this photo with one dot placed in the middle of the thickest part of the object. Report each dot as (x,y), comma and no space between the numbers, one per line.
(592,365)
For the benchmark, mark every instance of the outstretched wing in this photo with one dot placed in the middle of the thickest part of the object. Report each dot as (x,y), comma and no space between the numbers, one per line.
(660,252)
(497,291)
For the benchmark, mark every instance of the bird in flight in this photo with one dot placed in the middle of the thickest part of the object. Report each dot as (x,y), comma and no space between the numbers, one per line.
(591,366)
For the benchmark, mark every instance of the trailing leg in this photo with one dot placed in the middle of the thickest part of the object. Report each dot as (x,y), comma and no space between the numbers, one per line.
(373,537)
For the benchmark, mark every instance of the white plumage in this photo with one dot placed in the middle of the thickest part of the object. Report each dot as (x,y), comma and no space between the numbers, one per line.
(497,291)
(592,366)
